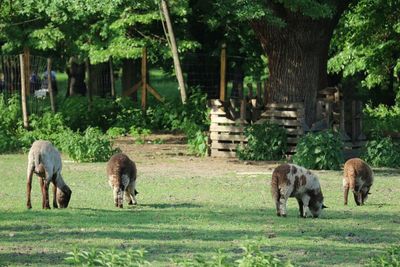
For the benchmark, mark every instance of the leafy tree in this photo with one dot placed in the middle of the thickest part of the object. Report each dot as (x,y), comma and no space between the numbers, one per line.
(366,45)
(295,36)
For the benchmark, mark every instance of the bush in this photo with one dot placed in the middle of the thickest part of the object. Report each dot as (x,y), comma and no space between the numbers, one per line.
(391,258)
(114,132)
(10,120)
(381,119)
(107,258)
(92,146)
(49,127)
(322,150)
(382,152)
(265,141)
(252,257)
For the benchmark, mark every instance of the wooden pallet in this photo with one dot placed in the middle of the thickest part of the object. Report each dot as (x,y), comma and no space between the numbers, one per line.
(290,116)
(225,134)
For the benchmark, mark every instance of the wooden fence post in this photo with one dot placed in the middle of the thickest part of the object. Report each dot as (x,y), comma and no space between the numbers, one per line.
(222,83)
(24,87)
(50,86)
(144,79)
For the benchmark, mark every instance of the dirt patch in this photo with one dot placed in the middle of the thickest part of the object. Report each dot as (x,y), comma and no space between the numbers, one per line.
(172,157)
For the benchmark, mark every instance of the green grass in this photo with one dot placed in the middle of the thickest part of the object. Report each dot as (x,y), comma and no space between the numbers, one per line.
(183,214)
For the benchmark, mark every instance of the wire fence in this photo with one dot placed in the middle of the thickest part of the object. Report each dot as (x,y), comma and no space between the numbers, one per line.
(10,80)
(200,70)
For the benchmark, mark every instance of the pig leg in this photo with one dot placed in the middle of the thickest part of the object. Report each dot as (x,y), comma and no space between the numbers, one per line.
(306,200)
(301,207)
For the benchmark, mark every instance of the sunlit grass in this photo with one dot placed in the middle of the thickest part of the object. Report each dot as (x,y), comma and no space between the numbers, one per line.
(190,215)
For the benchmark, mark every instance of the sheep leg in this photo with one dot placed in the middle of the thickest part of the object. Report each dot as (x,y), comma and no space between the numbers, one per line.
(346,194)
(29,187)
(130,193)
(357,198)
(45,193)
(277,204)
(55,205)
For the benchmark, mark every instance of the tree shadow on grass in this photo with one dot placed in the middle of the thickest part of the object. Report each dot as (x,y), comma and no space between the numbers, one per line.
(35,259)
(180,228)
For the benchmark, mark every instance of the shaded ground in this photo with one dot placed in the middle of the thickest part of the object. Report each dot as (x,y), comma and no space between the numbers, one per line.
(172,157)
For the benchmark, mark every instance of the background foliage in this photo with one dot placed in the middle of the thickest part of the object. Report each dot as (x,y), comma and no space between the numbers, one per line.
(320,151)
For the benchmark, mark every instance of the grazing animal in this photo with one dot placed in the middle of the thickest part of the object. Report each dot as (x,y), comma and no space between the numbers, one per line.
(290,180)
(358,177)
(45,161)
(121,172)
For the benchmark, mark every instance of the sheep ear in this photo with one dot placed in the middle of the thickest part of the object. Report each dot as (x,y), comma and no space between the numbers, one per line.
(324,207)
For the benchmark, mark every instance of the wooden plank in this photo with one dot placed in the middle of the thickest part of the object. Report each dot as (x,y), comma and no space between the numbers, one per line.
(226,137)
(216,103)
(283,113)
(219,119)
(219,128)
(228,146)
(281,122)
(282,105)
(217,112)
(23,90)
(222,154)
(155,93)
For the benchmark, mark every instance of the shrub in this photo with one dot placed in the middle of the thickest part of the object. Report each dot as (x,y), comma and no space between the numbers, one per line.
(381,119)
(92,146)
(382,152)
(391,258)
(10,119)
(114,132)
(139,134)
(49,127)
(265,141)
(322,150)
(107,258)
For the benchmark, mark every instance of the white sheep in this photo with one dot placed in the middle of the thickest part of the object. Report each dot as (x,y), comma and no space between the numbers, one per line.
(45,161)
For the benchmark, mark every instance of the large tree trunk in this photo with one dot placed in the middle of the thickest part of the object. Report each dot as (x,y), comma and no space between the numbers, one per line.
(76,78)
(297,56)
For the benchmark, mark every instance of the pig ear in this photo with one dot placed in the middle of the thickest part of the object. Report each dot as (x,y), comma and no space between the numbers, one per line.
(324,207)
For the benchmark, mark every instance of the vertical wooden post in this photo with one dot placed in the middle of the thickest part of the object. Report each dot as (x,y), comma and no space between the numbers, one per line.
(144,78)
(22,62)
(222,83)
(266,93)
(88,84)
(27,66)
(50,86)
(112,82)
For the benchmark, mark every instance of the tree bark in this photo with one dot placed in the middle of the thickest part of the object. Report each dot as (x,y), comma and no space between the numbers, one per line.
(130,75)
(76,78)
(297,56)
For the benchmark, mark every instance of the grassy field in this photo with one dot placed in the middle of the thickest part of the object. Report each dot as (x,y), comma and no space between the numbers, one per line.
(190,206)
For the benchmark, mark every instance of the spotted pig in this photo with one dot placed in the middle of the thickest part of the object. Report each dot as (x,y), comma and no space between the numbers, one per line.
(121,172)
(290,180)
(358,177)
